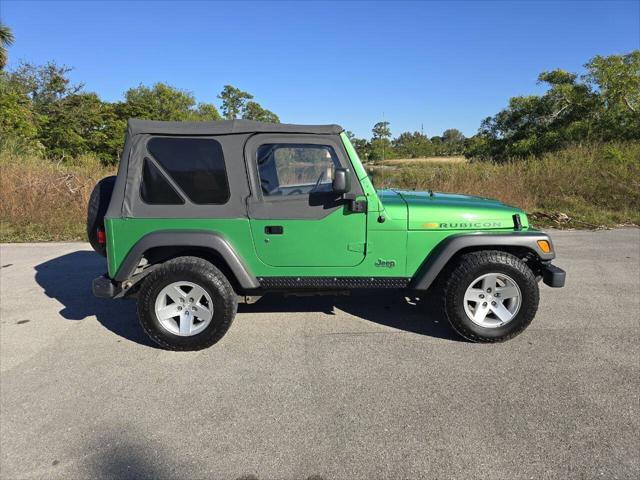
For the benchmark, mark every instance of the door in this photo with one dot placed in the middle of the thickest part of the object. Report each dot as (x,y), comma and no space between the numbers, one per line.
(296,219)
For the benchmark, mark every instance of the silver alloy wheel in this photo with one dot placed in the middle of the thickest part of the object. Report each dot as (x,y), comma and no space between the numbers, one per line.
(184,308)
(492,300)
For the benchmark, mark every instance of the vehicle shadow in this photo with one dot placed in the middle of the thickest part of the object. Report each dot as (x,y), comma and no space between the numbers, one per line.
(120,456)
(125,454)
(68,280)
(423,316)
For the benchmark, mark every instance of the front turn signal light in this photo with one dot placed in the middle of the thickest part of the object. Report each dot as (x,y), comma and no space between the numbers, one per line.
(544,246)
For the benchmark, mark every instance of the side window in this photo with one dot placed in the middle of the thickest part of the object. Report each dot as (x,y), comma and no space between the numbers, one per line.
(196,165)
(295,169)
(155,189)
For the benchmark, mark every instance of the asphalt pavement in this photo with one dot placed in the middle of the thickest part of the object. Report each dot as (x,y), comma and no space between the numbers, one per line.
(360,387)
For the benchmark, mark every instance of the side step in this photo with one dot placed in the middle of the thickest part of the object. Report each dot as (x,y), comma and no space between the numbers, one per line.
(331,283)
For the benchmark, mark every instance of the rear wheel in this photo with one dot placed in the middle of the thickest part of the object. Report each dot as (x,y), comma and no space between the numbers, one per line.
(186,304)
(490,296)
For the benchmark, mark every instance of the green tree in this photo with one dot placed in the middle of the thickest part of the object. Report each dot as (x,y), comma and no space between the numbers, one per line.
(381,131)
(363,148)
(44,84)
(205,111)
(533,124)
(412,145)
(233,101)
(380,142)
(18,121)
(42,107)
(68,121)
(54,104)
(453,135)
(617,80)
(159,102)
(6,40)
(361,145)
(82,123)
(453,142)
(601,105)
(254,111)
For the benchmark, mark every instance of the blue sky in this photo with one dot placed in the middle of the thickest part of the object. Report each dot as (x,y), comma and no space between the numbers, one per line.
(433,64)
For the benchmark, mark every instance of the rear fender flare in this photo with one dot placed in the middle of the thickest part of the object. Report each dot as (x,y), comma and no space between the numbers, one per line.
(188,238)
(447,249)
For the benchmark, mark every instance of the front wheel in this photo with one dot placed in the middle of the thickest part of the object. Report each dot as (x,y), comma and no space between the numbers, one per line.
(186,304)
(490,296)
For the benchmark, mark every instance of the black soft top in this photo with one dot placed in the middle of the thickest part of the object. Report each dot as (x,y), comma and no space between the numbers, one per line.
(225,127)
(232,135)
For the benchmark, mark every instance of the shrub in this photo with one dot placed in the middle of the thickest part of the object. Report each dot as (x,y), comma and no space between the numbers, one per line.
(44,200)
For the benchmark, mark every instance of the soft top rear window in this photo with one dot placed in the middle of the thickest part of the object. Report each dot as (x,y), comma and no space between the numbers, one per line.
(196,165)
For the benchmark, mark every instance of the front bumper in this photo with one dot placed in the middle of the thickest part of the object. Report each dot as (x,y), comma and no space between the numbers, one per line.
(104,287)
(553,276)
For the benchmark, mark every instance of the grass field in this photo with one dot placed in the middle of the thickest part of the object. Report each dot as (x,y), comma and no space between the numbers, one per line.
(580,187)
(41,200)
(421,161)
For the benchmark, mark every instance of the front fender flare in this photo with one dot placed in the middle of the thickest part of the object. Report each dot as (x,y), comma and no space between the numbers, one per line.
(188,238)
(453,244)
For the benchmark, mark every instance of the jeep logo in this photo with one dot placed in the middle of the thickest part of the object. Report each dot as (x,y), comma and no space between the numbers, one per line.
(385,263)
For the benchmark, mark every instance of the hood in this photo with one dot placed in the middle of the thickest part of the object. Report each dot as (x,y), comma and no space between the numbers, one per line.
(445,211)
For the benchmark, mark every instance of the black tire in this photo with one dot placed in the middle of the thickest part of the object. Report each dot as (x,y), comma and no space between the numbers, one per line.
(96,210)
(205,275)
(471,266)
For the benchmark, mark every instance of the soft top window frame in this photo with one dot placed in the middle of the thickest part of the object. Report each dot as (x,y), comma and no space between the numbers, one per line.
(173,182)
(260,206)
(319,146)
(126,201)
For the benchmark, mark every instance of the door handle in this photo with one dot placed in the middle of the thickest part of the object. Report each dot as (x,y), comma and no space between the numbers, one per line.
(274,230)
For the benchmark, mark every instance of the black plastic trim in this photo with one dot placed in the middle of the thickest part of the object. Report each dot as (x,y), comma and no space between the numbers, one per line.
(188,238)
(517,223)
(274,230)
(331,283)
(553,276)
(104,287)
(446,249)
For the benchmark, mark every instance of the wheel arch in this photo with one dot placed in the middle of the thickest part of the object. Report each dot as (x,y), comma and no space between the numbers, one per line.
(160,246)
(523,245)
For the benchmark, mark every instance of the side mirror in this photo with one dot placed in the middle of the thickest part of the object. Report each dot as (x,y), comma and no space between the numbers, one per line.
(341,180)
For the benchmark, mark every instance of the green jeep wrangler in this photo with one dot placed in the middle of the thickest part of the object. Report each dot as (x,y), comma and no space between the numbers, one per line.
(203,213)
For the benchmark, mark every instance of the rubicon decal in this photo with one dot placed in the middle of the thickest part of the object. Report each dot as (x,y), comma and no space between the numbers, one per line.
(484,224)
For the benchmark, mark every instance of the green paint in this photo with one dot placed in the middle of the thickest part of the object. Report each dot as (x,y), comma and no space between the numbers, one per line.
(343,243)
(361,175)
(458,212)
(124,233)
(313,243)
